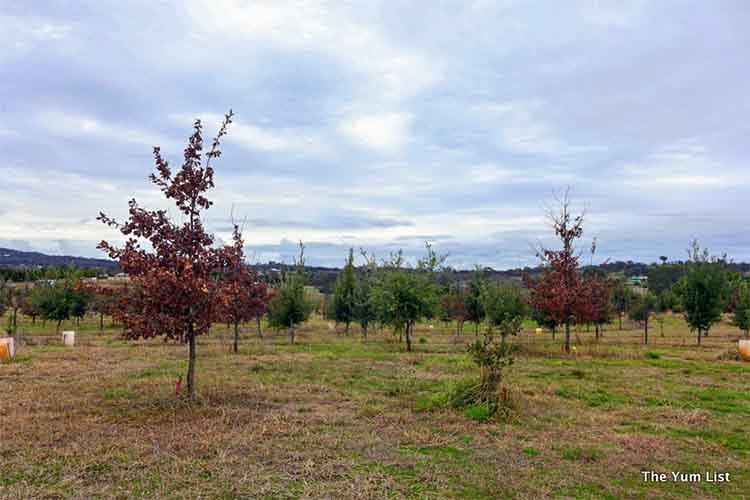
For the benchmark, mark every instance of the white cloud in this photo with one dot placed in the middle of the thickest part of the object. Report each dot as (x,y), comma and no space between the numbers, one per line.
(67,124)
(23,34)
(519,126)
(322,27)
(612,13)
(683,164)
(388,132)
(255,138)
(49,205)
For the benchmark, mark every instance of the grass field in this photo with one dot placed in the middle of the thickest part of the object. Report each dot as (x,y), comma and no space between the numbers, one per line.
(336,417)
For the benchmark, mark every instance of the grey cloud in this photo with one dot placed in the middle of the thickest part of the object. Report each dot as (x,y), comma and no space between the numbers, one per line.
(633,105)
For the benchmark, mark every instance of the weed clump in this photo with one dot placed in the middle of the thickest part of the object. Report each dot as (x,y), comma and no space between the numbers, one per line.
(485,398)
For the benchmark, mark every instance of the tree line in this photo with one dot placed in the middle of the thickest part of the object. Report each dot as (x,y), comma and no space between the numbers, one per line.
(182,282)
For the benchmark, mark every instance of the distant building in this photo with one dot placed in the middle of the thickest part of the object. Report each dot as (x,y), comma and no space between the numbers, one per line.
(640,281)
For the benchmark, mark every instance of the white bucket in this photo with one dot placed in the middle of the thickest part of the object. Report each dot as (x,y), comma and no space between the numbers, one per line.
(744,348)
(539,331)
(69,338)
(11,346)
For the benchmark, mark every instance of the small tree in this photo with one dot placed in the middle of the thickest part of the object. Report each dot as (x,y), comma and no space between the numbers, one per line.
(559,291)
(174,288)
(365,308)
(27,307)
(289,307)
(406,296)
(444,308)
(505,308)
(622,296)
(243,296)
(16,298)
(492,357)
(544,320)
(453,306)
(103,302)
(344,294)
(742,308)
(54,302)
(667,301)
(641,310)
(4,294)
(79,306)
(474,309)
(703,290)
(597,308)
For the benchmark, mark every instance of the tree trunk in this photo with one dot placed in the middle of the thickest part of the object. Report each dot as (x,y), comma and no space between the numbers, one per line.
(291,335)
(101,322)
(620,317)
(554,331)
(699,336)
(364,331)
(346,328)
(645,331)
(16,335)
(476,329)
(236,336)
(596,327)
(567,337)
(408,337)
(57,328)
(191,362)
(260,332)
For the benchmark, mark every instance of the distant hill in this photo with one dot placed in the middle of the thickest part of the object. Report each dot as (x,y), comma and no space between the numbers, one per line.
(18,259)
(324,278)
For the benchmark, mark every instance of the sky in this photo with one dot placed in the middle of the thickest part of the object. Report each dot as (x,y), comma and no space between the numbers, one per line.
(384,124)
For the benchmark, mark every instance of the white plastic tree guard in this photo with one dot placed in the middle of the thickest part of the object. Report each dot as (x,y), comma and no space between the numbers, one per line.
(69,338)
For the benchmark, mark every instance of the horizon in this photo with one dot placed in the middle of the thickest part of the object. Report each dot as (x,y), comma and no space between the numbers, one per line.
(338,268)
(376,127)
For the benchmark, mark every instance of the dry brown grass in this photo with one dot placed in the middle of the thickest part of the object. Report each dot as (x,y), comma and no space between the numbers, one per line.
(338,418)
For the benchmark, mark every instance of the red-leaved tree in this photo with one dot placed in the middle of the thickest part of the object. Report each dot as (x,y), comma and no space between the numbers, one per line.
(244,297)
(560,292)
(103,299)
(454,306)
(596,306)
(174,284)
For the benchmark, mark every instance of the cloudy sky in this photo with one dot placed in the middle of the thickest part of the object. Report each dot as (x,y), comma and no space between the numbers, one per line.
(384,124)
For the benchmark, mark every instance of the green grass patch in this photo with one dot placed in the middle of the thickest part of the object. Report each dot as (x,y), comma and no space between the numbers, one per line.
(22,358)
(165,369)
(120,393)
(581,454)
(478,413)
(597,398)
(447,452)
(736,440)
